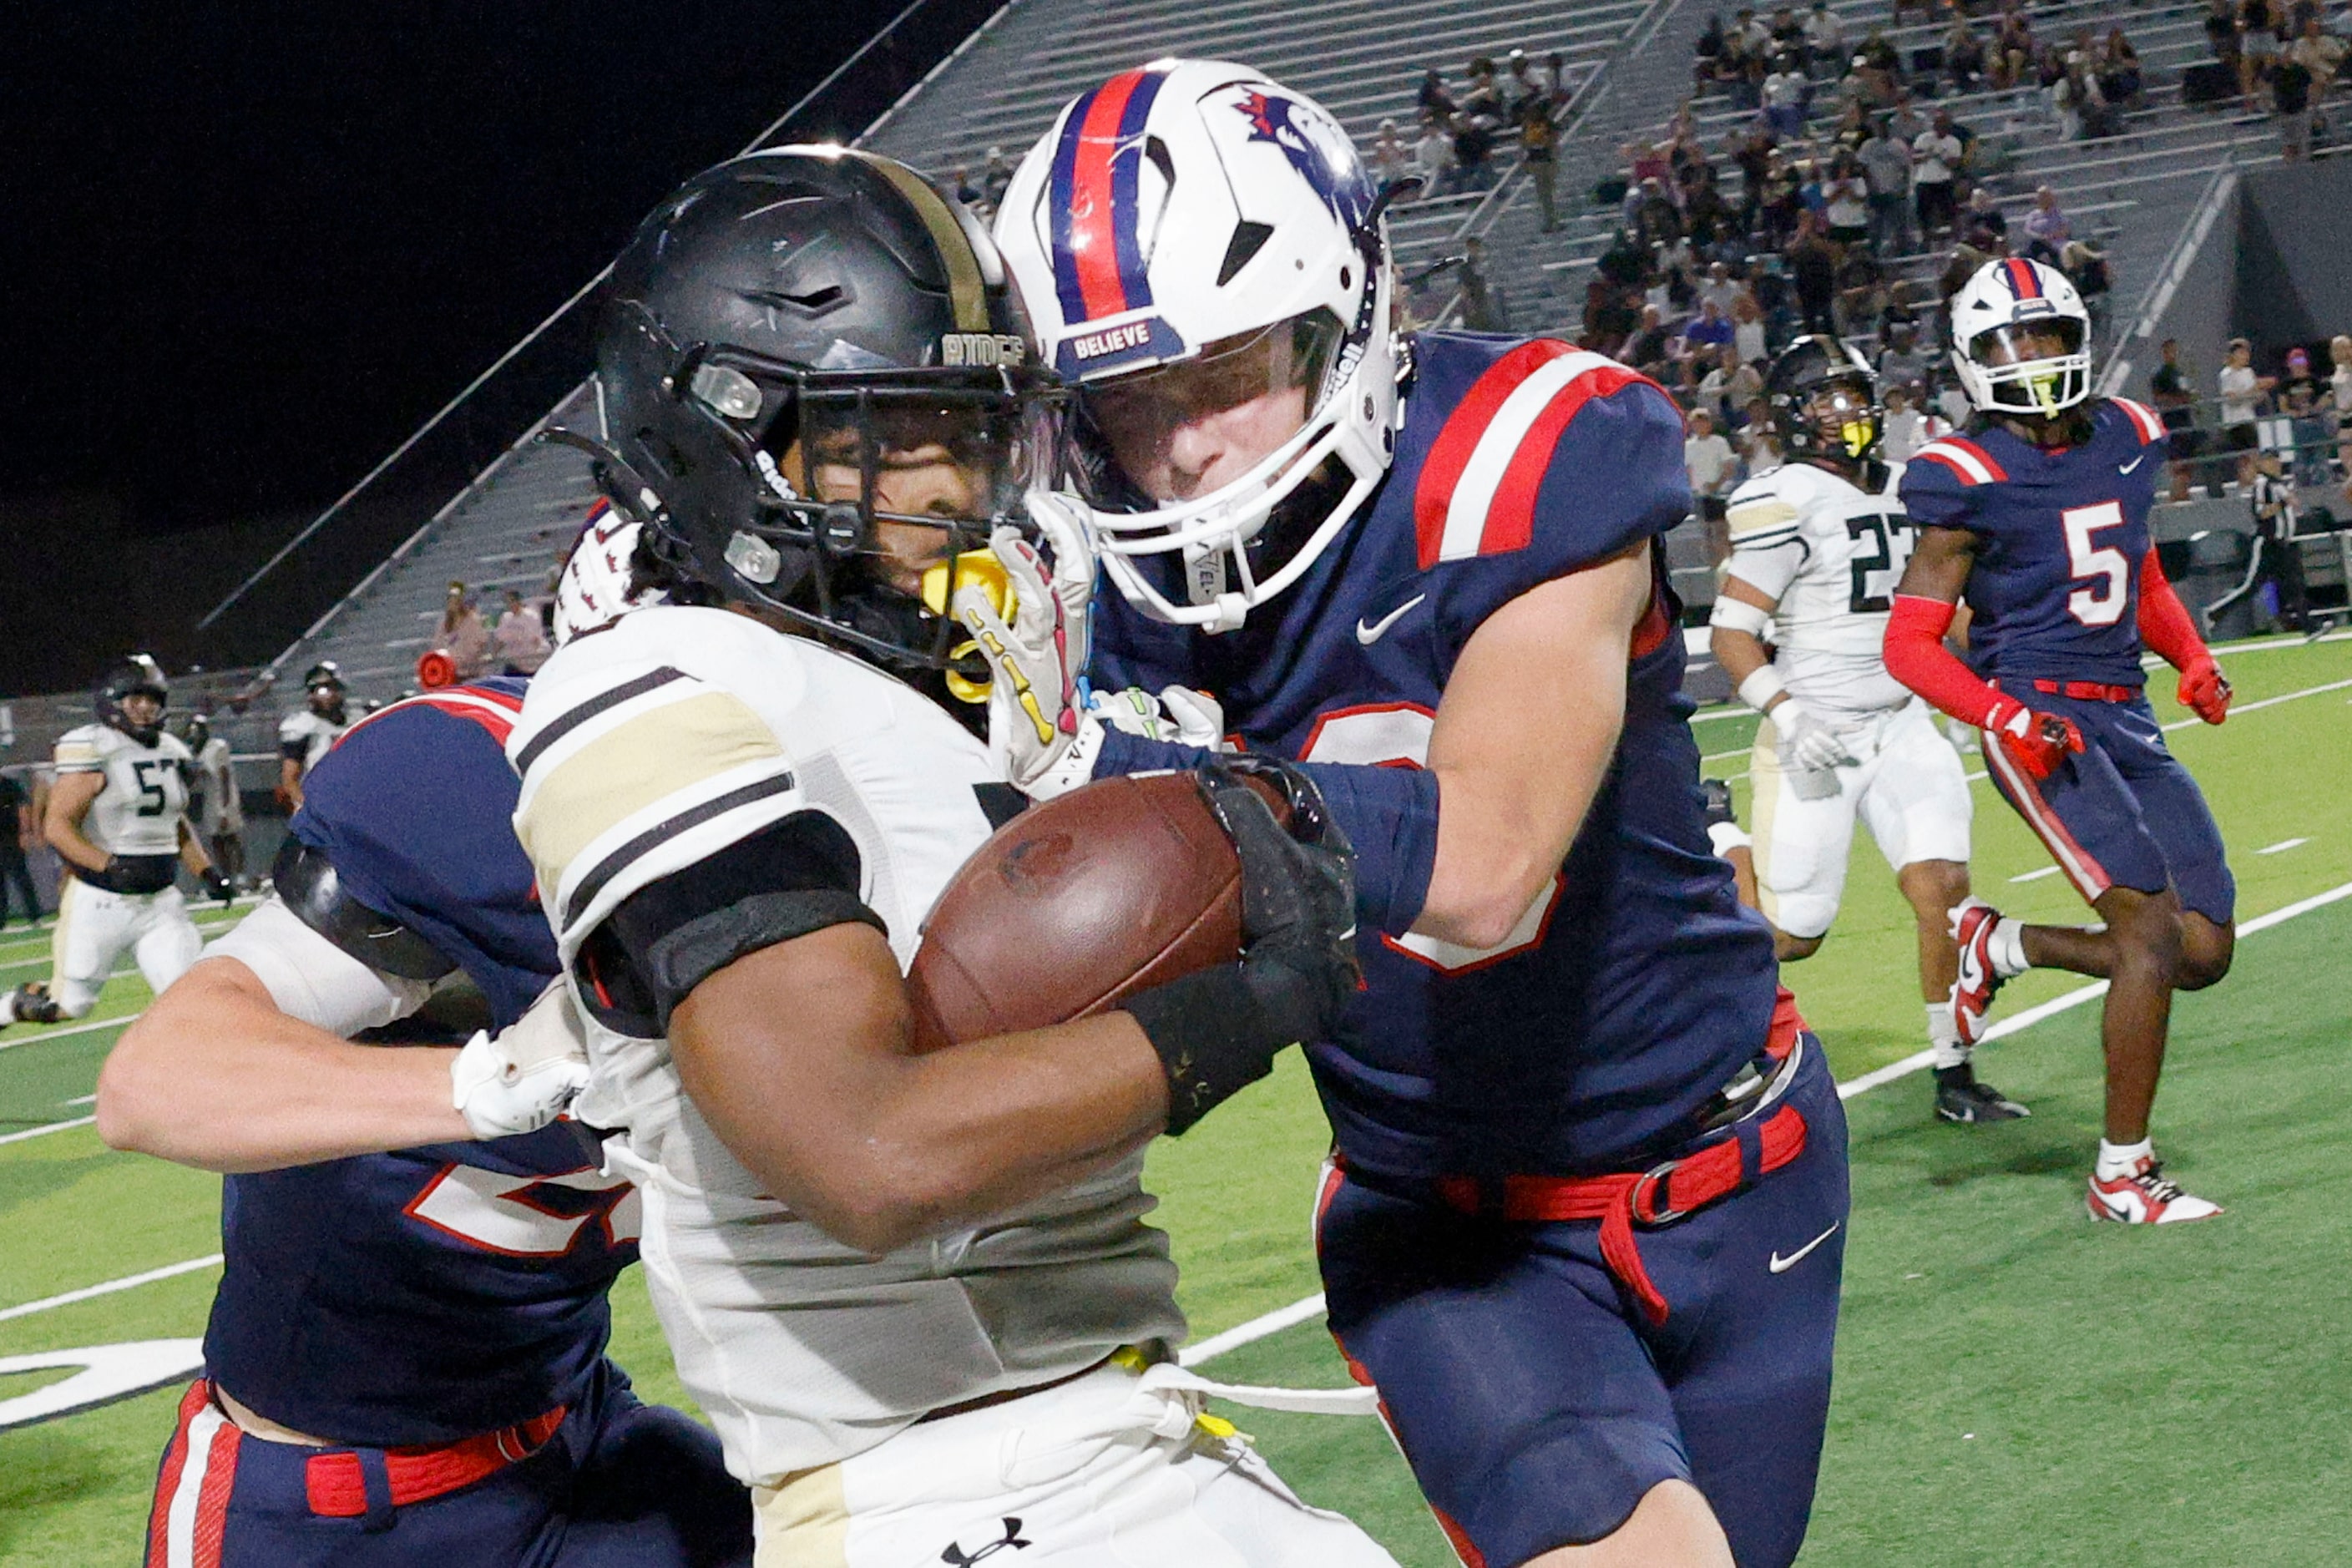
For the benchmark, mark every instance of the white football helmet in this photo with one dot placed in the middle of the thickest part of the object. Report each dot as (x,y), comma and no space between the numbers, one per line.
(597,587)
(1997,318)
(1195,211)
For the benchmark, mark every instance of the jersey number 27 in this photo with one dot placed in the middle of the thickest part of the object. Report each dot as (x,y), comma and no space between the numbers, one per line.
(1895,537)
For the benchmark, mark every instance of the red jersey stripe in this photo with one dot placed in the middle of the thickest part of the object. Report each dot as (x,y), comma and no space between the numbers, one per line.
(1450,454)
(1511,521)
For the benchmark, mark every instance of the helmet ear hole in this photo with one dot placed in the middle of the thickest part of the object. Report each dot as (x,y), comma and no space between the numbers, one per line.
(1248,240)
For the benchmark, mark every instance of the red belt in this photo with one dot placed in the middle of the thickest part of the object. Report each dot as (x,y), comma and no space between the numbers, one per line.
(338,1488)
(1651,1198)
(2089,690)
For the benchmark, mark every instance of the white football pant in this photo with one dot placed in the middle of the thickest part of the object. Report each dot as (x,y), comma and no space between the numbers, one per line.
(95,926)
(1907,783)
(1087,1475)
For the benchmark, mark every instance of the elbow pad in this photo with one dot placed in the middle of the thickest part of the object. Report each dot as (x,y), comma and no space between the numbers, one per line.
(1738,616)
(1389,814)
(1917,657)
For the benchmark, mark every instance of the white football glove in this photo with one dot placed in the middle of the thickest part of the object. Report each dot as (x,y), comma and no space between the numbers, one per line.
(1810,750)
(1038,731)
(526,1075)
(1179,713)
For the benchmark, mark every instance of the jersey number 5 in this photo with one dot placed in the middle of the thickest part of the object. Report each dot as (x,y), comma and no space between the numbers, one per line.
(2100,603)
(152,798)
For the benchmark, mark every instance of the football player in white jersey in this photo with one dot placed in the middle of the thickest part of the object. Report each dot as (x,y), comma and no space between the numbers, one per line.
(304,735)
(1817,545)
(118,819)
(915,1293)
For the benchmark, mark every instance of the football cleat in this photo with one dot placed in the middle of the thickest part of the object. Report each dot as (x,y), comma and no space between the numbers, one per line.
(32,1003)
(1972,993)
(1960,1098)
(1716,792)
(2146,1196)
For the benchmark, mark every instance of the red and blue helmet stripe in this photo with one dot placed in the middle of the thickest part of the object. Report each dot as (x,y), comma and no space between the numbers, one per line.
(2024,281)
(1099,262)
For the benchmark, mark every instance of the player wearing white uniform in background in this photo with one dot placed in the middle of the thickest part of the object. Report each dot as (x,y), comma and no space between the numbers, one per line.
(117,817)
(304,735)
(915,1293)
(1817,546)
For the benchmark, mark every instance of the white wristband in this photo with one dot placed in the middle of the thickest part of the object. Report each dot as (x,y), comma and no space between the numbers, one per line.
(1739,615)
(1762,685)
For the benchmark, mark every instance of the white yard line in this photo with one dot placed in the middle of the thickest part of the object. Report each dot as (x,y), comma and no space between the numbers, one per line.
(2281,846)
(2238,708)
(36,1033)
(1305,1311)
(127,1282)
(2036,876)
(45,1129)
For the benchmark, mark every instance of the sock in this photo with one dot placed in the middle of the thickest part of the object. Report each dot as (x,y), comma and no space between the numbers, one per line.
(2007,947)
(1726,836)
(2122,1159)
(1944,1037)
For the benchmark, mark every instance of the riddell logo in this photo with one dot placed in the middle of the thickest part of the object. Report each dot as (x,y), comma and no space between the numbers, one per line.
(986,349)
(1112,341)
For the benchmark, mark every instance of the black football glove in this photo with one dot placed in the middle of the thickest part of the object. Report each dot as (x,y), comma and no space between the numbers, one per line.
(1220,1029)
(216,885)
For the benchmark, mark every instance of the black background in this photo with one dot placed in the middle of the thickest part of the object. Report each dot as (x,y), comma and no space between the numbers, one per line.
(248,251)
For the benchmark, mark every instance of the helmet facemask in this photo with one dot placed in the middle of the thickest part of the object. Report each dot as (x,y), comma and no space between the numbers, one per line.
(2037,367)
(1845,418)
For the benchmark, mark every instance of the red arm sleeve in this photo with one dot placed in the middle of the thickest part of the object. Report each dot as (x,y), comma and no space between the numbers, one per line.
(2164,622)
(1917,657)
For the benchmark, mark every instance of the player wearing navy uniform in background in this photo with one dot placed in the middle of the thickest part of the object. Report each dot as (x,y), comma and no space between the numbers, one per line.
(2039,515)
(1424,570)
(405,1362)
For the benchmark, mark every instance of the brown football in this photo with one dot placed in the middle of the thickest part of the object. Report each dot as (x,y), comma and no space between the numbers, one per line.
(1075,904)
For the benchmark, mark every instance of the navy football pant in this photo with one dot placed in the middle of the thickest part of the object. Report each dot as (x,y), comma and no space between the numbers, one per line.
(620,1483)
(1535,1402)
(2122,813)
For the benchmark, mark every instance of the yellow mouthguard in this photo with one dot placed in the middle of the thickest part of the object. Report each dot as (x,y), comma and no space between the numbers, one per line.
(973,569)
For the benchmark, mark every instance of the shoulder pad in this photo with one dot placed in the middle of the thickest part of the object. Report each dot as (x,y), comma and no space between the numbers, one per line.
(305,879)
(2145,421)
(494,705)
(1963,459)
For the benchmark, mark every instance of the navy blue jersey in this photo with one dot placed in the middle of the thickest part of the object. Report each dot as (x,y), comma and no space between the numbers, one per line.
(1635,984)
(426,1295)
(2060,539)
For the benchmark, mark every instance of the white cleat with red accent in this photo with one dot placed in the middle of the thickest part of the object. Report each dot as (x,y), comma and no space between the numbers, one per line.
(2145,1196)
(1973,921)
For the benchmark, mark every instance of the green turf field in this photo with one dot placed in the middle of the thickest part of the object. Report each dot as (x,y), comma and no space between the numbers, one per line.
(2015,1386)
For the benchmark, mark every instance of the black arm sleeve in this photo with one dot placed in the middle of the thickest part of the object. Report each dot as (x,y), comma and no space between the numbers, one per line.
(791,878)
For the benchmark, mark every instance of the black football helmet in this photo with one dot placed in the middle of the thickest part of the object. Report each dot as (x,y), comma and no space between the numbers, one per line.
(323,684)
(195,730)
(1824,401)
(810,310)
(136,675)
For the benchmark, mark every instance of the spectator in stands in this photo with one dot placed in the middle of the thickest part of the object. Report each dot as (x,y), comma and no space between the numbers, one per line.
(1902,362)
(1648,344)
(1391,159)
(1785,91)
(1825,45)
(2242,405)
(1555,80)
(2258,44)
(1747,335)
(1758,450)
(1710,328)
(2304,399)
(1539,137)
(1985,229)
(2085,265)
(2046,228)
(2012,52)
(2319,52)
(462,635)
(1812,268)
(2168,388)
(520,639)
(2082,111)
(995,178)
(1862,293)
(1907,428)
(1713,468)
(1886,166)
(1483,309)
(1719,287)
(1845,200)
(2120,78)
(17,836)
(1656,220)
(1853,127)
(1964,56)
(2221,35)
(1433,156)
(1935,165)
(2291,98)
(2339,397)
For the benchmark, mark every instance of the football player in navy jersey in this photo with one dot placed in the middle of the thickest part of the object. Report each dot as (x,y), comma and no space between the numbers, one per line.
(2039,516)
(1584,1225)
(405,1358)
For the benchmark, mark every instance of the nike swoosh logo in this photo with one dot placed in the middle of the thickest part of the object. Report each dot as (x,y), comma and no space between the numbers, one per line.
(1368,635)
(1783,1265)
(2135,462)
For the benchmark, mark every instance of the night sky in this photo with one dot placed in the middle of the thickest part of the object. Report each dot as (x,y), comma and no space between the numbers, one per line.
(248,251)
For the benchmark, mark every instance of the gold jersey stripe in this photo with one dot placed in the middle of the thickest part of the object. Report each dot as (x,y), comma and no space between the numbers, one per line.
(966,291)
(1756,515)
(635,765)
(803,1520)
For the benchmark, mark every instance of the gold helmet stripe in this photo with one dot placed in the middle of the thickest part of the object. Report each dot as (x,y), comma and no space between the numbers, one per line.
(967,290)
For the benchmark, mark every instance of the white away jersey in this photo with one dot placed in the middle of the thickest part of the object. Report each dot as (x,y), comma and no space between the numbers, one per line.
(304,736)
(138,812)
(663,740)
(1831,552)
